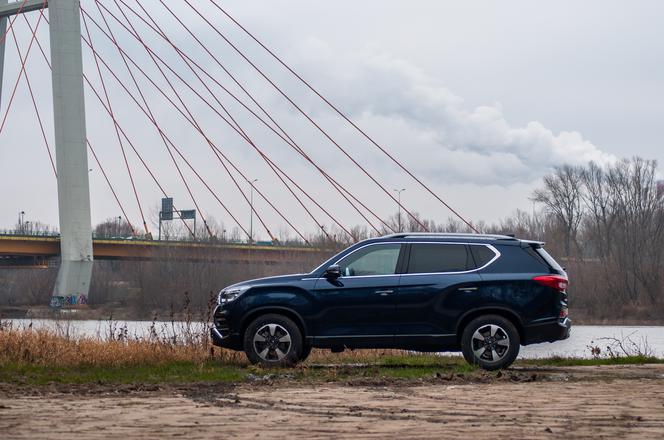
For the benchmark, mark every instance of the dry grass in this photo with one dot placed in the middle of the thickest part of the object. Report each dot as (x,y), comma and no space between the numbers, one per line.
(48,348)
(61,348)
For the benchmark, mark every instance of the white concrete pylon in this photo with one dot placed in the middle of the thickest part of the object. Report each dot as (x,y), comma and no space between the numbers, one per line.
(71,150)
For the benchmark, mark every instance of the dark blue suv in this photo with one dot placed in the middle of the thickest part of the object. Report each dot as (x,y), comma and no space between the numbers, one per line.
(484,295)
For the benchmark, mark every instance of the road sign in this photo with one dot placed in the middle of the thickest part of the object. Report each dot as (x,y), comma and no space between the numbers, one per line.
(188,215)
(167,208)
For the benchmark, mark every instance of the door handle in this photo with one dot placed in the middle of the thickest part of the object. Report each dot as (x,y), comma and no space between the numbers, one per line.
(467,289)
(384,292)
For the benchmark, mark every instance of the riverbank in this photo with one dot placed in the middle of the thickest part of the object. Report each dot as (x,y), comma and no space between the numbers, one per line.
(401,369)
(605,401)
(168,385)
(117,312)
(42,356)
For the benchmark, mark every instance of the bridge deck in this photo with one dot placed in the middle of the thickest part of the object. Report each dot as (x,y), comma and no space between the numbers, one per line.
(36,246)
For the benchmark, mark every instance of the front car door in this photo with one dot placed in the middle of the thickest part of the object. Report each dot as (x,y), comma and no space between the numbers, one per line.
(436,277)
(357,309)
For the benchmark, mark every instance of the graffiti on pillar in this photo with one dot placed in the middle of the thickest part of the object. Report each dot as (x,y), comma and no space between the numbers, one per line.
(57,301)
(69,300)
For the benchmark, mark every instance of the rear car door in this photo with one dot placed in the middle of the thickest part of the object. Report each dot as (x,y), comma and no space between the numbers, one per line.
(436,276)
(357,309)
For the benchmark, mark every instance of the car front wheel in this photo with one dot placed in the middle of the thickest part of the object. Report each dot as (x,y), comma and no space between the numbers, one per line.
(491,342)
(273,340)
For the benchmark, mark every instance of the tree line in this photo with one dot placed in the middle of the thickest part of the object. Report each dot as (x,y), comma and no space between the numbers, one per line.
(605,224)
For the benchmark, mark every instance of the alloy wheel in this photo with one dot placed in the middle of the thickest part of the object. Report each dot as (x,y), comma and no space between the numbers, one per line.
(490,343)
(272,342)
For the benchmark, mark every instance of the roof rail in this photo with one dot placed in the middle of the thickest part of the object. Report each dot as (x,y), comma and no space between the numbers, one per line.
(451,235)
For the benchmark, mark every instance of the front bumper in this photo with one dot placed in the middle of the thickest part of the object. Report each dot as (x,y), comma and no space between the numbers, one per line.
(221,331)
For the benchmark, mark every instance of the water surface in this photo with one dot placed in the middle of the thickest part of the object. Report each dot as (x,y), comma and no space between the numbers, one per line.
(578,345)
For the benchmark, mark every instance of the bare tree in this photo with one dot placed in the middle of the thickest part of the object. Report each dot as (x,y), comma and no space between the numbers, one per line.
(561,197)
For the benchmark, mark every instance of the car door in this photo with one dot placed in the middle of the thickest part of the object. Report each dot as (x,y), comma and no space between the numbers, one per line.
(436,277)
(357,308)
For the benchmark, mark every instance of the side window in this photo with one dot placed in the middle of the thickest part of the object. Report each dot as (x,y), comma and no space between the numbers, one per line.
(438,257)
(380,259)
(482,255)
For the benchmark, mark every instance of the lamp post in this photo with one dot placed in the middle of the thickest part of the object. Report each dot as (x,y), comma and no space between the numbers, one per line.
(251,210)
(399,191)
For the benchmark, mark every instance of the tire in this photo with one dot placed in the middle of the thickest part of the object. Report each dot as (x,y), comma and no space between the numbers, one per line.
(273,341)
(491,342)
(306,351)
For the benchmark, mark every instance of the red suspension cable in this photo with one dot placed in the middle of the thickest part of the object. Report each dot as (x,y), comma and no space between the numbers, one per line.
(110,185)
(13,19)
(204,71)
(290,141)
(117,133)
(22,70)
(162,133)
(34,105)
(186,84)
(186,118)
(191,116)
(346,118)
(236,126)
(314,123)
(140,157)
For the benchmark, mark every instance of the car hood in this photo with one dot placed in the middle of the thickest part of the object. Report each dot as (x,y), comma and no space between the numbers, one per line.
(282,279)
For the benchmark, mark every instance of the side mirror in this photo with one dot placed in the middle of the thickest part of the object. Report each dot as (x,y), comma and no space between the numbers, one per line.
(332,272)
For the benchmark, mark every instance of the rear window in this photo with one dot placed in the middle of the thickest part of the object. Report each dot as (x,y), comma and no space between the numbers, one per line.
(438,257)
(549,259)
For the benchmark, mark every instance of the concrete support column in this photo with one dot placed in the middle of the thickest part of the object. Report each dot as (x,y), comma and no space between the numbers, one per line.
(71,152)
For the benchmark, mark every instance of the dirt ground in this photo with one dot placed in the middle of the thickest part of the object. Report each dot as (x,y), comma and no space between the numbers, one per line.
(570,402)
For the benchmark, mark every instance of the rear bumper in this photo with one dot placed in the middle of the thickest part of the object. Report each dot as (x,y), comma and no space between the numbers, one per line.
(550,331)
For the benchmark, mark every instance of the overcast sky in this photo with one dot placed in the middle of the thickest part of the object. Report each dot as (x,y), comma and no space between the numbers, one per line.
(478,98)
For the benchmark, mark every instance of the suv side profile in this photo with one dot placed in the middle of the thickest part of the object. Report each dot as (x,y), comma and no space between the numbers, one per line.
(483,295)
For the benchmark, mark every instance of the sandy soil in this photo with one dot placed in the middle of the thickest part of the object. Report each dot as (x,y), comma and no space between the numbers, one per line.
(576,402)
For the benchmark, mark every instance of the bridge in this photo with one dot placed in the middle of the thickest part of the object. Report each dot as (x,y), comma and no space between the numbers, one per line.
(36,251)
(175,74)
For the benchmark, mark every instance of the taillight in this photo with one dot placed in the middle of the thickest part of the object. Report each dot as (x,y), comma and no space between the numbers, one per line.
(557,282)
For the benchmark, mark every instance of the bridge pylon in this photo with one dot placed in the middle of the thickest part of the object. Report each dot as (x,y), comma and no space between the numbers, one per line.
(75,270)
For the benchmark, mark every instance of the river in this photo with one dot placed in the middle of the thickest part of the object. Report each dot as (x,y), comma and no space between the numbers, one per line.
(578,345)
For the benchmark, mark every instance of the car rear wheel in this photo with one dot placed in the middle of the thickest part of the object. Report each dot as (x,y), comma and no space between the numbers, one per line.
(491,342)
(273,340)
(306,351)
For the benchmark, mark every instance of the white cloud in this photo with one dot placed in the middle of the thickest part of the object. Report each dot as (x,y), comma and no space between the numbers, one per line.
(432,128)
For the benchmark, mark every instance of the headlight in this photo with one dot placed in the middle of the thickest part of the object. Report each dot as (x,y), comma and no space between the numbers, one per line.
(230,294)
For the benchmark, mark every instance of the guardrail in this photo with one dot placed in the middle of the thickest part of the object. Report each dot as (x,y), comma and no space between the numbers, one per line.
(50,234)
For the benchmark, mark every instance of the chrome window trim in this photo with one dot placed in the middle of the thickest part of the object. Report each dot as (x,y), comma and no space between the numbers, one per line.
(496,252)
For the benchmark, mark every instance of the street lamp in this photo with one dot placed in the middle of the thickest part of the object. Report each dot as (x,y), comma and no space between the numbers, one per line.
(399,191)
(251,210)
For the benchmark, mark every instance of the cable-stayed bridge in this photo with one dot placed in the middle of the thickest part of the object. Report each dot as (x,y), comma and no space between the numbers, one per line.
(147,57)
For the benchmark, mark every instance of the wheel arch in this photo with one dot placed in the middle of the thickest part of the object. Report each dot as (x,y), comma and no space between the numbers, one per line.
(277,310)
(506,313)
